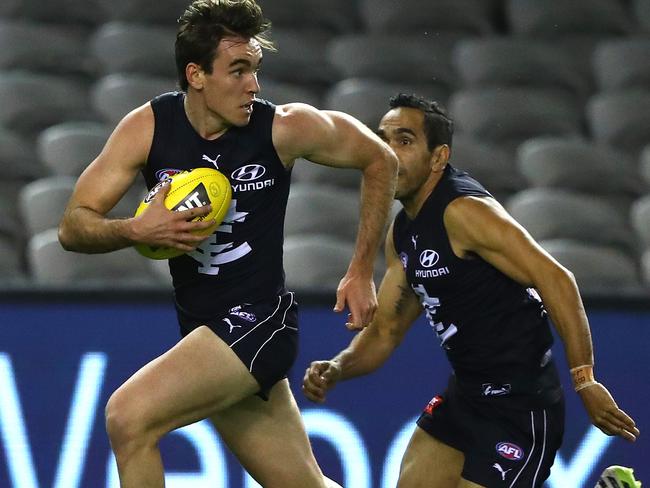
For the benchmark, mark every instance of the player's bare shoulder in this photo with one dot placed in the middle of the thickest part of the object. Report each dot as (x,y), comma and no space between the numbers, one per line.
(469,210)
(132,137)
(294,125)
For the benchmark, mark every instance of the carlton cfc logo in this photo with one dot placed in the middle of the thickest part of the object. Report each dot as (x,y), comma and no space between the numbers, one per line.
(249,172)
(510,451)
(429,258)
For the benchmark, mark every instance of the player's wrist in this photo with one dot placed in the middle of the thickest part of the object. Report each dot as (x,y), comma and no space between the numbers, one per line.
(583,377)
(127,229)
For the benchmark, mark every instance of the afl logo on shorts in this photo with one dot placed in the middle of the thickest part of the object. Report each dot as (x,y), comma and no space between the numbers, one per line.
(249,172)
(429,258)
(510,451)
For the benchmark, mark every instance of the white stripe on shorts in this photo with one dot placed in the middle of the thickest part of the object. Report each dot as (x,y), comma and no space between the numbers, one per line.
(532,449)
(274,332)
(532,423)
(260,323)
(541,457)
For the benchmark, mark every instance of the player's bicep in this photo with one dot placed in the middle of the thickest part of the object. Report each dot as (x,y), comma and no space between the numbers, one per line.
(325,137)
(482,226)
(106,179)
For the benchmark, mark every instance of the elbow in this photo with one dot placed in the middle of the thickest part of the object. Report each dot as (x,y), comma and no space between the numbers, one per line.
(66,237)
(385,163)
(391,162)
(560,278)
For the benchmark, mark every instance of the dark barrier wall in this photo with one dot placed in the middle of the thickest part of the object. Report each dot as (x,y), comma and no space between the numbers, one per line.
(61,359)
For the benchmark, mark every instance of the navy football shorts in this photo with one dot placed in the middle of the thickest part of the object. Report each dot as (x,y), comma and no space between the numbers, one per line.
(503,447)
(264,335)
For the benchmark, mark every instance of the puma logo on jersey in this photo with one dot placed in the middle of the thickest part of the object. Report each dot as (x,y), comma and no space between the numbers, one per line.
(498,467)
(210,160)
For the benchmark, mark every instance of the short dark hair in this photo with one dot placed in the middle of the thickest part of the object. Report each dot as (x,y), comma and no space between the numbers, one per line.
(438,127)
(205,22)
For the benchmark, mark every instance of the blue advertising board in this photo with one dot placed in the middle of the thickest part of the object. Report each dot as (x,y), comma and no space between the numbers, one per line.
(61,360)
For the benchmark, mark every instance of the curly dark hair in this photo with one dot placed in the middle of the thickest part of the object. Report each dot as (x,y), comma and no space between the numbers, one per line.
(205,22)
(438,127)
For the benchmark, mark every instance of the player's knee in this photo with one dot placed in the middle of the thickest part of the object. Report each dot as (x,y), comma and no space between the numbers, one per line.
(126,427)
(288,477)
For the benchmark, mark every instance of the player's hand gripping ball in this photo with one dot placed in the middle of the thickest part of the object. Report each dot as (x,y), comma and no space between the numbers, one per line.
(190,189)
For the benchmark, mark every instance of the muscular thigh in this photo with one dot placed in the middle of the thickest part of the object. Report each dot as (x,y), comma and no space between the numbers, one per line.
(429,463)
(269,439)
(197,377)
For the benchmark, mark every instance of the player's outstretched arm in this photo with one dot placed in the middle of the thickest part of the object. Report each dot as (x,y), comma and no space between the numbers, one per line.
(482,226)
(339,140)
(84,226)
(398,308)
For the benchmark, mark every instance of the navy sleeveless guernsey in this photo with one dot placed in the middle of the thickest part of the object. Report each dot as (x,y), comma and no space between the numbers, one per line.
(494,331)
(242,261)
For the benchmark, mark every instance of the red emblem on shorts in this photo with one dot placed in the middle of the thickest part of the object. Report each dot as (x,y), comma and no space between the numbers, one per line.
(433,404)
(510,451)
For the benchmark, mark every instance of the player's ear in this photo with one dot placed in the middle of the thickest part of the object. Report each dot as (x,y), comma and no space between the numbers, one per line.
(194,75)
(440,157)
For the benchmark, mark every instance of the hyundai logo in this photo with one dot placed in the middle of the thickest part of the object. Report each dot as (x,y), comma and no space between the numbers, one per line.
(429,258)
(249,172)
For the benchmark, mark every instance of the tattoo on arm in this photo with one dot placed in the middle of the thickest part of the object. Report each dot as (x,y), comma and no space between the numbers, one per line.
(401,301)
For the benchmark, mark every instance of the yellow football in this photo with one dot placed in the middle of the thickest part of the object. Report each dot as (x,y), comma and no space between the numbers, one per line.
(190,189)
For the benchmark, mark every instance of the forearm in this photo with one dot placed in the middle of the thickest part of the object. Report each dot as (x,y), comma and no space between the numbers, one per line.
(84,230)
(563,302)
(366,353)
(377,194)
